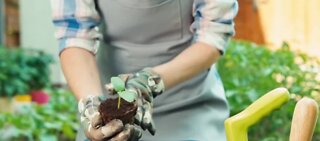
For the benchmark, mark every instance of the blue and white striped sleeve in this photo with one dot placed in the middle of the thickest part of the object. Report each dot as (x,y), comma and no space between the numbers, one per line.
(76,23)
(213,22)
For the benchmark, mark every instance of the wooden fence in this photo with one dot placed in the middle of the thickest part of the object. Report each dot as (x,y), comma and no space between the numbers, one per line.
(272,22)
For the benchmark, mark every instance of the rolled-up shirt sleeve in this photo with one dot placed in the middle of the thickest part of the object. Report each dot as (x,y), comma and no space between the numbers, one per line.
(213,22)
(76,23)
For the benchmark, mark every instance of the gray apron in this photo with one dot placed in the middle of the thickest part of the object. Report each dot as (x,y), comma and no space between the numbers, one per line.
(146,33)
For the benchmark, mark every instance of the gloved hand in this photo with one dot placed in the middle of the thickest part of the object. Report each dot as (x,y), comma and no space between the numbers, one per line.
(92,123)
(147,85)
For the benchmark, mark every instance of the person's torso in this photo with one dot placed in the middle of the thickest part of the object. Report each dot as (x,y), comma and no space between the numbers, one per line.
(143,33)
(146,33)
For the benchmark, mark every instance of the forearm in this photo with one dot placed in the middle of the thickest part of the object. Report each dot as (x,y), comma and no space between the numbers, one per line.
(80,69)
(190,62)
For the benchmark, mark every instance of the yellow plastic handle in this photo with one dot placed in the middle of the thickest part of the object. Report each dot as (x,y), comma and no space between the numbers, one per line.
(237,125)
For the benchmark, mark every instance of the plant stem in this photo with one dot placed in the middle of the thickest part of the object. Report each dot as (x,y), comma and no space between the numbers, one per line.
(119,100)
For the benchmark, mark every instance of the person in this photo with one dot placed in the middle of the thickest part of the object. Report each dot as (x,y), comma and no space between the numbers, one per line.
(164,50)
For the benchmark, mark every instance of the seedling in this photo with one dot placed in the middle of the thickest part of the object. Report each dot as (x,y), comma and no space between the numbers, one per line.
(119,86)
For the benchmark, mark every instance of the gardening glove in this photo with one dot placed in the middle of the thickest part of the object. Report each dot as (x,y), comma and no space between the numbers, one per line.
(93,125)
(146,84)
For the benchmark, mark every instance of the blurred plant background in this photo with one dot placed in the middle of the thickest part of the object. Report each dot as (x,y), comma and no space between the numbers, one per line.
(23,70)
(275,46)
(55,121)
(248,71)
(24,77)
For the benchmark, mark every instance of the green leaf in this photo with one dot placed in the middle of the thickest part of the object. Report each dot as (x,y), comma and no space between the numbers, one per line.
(67,130)
(48,137)
(118,84)
(127,96)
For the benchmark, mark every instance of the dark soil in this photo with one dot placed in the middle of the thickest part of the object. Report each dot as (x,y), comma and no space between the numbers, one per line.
(109,111)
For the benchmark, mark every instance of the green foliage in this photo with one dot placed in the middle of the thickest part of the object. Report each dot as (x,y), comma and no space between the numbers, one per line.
(55,121)
(127,96)
(41,62)
(23,70)
(248,71)
(119,86)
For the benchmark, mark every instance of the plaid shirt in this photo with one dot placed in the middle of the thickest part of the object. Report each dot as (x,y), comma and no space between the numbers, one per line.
(77,23)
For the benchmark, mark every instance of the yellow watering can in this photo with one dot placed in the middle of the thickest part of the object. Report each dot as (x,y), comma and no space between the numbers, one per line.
(303,122)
